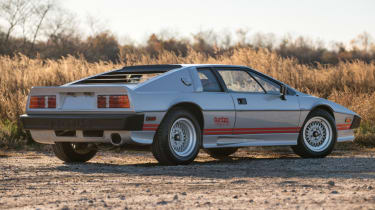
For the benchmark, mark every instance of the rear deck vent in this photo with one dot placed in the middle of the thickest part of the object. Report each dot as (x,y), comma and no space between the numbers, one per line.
(88,133)
(66,133)
(119,77)
(130,74)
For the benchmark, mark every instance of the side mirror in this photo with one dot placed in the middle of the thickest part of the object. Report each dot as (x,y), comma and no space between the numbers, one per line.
(283,92)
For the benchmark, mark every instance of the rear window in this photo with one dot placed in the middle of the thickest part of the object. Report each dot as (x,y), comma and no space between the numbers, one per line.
(130,74)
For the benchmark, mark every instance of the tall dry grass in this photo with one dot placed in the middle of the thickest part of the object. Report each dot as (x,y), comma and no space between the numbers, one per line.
(349,84)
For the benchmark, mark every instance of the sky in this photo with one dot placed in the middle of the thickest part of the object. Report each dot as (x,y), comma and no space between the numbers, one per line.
(326,20)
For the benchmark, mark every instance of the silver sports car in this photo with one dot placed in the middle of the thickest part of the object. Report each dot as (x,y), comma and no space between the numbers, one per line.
(179,109)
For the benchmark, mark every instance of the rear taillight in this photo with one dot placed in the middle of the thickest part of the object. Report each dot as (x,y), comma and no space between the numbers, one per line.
(113,101)
(118,101)
(51,102)
(39,102)
(102,102)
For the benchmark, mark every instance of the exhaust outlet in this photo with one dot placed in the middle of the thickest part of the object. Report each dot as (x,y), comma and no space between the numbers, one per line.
(116,139)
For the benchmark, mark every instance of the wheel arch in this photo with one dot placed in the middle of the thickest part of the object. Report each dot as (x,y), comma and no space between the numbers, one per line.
(324,107)
(193,107)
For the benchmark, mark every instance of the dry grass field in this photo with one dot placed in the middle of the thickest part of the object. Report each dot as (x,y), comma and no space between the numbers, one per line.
(350,84)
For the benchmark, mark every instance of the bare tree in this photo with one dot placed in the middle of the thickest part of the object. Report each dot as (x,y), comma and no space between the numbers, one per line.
(261,40)
(96,25)
(365,40)
(62,33)
(40,10)
(14,12)
(208,36)
(225,39)
(168,34)
(61,22)
(242,34)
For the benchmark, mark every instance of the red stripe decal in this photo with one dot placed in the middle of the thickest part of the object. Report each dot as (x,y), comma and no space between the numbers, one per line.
(345,126)
(219,129)
(228,131)
(257,129)
(150,127)
(260,132)
(217,133)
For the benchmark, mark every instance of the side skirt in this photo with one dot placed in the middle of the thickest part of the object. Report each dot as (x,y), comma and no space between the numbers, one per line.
(219,141)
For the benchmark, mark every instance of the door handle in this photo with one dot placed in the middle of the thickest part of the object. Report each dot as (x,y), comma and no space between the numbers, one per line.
(241,101)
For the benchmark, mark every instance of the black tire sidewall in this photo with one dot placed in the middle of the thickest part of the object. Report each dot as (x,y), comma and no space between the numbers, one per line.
(220,153)
(165,129)
(65,152)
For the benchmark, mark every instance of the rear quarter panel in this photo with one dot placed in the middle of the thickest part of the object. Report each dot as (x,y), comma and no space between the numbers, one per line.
(155,97)
(164,92)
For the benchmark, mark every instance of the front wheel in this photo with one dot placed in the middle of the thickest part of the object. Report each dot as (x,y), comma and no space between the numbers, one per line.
(74,152)
(178,138)
(318,135)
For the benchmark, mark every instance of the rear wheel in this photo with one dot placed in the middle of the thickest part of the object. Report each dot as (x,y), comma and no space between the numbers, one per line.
(178,138)
(220,153)
(74,152)
(318,135)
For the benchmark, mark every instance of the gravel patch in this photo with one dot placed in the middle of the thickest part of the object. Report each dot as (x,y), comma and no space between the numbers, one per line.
(252,178)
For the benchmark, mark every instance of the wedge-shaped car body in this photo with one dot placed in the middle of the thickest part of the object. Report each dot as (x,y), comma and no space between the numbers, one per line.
(179,109)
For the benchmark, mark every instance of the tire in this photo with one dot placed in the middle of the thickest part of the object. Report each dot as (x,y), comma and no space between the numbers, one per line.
(74,152)
(178,138)
(318,135)
(221,153)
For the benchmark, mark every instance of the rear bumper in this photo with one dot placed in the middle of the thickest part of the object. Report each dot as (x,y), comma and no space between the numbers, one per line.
(127,122)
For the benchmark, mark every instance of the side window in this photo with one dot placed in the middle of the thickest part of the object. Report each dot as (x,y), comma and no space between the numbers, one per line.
(268,85)
(209,81)
(240,81)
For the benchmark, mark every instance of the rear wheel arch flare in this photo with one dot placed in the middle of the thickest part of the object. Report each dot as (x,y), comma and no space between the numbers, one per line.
(325,108)
(191,107)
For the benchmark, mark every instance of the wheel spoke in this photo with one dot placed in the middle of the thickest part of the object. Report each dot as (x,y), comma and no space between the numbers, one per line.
(317,134)
(182,137)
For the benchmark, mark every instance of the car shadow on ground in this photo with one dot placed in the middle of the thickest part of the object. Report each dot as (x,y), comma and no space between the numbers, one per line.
(284,166)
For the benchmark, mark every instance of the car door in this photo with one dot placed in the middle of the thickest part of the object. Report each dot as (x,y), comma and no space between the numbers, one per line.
(217,108)
(261,113)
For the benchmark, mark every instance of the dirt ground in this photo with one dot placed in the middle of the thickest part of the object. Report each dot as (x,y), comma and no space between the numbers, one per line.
(253,178)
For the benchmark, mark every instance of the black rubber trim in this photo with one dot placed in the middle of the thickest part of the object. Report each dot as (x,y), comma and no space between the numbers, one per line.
(356,122)
(131,122)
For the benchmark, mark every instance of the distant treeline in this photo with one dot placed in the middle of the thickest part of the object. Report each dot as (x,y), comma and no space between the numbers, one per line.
(41,28)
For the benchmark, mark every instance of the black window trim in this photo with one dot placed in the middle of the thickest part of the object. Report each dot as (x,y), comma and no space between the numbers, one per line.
(220,79)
